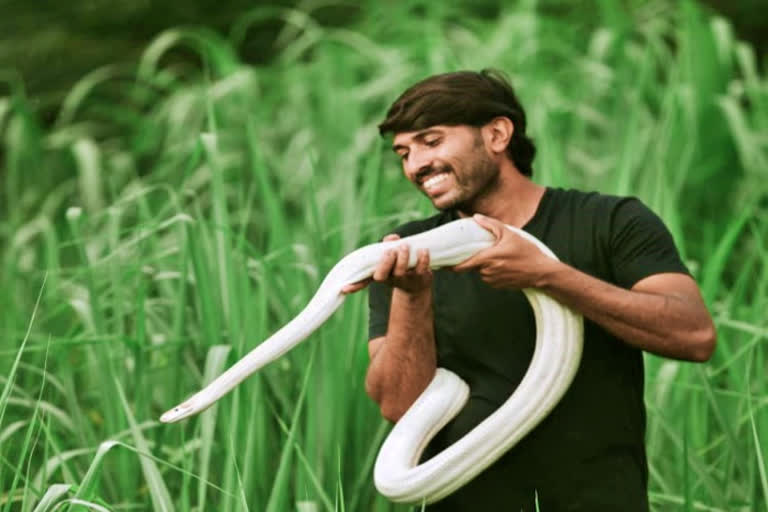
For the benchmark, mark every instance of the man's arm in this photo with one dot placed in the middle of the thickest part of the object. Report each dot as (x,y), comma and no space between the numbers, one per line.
(403,362)
(663,313)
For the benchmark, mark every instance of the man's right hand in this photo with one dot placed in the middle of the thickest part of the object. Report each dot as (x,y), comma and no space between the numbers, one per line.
(393,270)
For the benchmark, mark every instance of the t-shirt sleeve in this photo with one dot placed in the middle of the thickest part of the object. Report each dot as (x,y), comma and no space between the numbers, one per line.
(640,244)
(379,297)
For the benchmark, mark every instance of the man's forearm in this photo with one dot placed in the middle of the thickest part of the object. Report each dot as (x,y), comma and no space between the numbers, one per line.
(405,362)
(664,324)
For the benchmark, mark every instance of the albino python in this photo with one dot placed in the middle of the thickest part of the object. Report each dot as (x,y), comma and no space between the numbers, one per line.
(397,474)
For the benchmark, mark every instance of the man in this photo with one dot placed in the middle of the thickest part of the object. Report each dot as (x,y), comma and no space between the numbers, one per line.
(461,138)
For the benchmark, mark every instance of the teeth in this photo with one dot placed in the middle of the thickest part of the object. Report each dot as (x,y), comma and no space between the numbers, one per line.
(434,180)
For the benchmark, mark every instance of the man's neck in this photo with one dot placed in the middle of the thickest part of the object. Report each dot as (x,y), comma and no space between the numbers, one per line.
(513,201)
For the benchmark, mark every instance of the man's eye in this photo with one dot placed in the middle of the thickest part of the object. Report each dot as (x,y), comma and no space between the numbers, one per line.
(432,143)
(403,156)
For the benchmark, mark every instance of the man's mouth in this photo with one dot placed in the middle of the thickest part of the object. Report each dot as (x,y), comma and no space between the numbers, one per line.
(435,183)
(434,180)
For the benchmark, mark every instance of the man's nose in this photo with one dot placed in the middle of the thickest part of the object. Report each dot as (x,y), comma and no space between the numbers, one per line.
(417,164)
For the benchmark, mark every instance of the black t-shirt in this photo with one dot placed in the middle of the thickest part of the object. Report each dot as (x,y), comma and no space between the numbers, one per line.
(589,453)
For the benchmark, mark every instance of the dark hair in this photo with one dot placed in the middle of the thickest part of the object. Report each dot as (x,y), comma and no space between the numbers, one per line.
(463,97)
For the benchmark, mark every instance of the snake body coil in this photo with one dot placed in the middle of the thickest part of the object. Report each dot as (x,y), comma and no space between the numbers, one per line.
(397,473)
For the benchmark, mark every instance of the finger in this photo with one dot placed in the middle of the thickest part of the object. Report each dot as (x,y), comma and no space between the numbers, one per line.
(470,263)
(422,264)
(355,287)
(384,268)
(391,237)
(464,266)
(401,266)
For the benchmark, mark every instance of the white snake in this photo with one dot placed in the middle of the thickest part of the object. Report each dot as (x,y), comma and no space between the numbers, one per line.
(397,475)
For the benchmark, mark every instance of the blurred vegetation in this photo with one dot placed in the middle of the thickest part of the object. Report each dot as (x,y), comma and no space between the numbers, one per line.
(176,195)
(52,43)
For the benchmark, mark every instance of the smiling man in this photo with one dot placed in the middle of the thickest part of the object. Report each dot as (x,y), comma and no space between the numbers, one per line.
(462,141)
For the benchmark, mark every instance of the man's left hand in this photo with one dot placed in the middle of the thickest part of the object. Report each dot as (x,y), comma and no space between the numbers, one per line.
(511,262)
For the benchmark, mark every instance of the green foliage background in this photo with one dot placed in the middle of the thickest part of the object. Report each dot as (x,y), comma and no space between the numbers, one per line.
(172,210)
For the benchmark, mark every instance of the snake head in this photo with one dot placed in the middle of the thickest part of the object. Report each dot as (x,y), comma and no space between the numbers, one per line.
(178,413)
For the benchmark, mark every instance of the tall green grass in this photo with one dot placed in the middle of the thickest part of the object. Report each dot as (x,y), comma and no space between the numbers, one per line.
(178,214)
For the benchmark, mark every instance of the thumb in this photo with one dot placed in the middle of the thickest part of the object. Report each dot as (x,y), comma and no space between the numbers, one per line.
(496,227)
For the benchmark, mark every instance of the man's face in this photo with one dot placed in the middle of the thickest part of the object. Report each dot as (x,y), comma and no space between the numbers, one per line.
(449,164)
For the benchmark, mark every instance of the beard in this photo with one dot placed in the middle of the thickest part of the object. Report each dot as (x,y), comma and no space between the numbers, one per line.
(476,177)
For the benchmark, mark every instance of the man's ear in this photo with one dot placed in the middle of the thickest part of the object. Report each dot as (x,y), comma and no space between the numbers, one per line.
(498,133)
